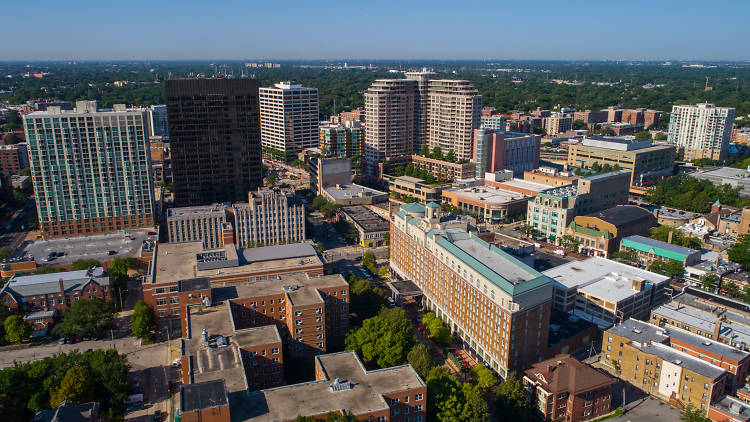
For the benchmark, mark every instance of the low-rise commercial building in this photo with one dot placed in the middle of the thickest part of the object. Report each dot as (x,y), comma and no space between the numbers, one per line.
(605,291)
(371,228)
(562,388)
(197,224)
(550,176)
(648,250)
(44,292)
(661,370)
(414,189)
(643,159)
(270,217)
(600,233)
(553,209)
(736,178)
(444,170)
(354,194)
(487,203)
(498,306)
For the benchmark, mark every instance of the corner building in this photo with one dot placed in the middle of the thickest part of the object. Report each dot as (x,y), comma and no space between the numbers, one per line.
(497,305)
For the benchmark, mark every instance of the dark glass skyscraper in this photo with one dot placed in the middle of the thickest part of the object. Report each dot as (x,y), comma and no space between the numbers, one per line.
(214,129)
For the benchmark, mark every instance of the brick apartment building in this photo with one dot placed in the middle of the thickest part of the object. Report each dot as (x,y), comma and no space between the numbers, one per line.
(498,306)
(45,292)
(173,265)
(565,389)
(13,158)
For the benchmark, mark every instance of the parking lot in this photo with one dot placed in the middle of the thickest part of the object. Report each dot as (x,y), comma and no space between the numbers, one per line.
(125,243)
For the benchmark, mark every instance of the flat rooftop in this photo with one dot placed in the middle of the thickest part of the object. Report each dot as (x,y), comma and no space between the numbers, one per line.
(360,391)
(299,288)
(704,321)
(725,173)
(683,360)
(487,194)
(562,191)
(626,143)
(177,261)
(203,395)
(367,219)
(602,277)
(201,210)
(525,184)
(352,190)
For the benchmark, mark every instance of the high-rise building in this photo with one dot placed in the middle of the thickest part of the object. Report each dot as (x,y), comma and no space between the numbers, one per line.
(497,150)
(270,217)
(454,111)
(390,121)
(288,118)
(701,130)
(495,121)
(91,169)
(214,129)
(499,307)
(203,223)
(557,124)
(157,121)
(343,140)
(420,106)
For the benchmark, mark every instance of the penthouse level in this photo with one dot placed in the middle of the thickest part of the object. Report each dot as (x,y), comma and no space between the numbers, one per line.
(497,305)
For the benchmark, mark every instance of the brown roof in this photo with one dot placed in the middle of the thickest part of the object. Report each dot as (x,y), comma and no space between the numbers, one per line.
(564,373)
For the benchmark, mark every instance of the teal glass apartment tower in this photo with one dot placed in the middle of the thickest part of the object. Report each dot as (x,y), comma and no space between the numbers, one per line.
(91,169)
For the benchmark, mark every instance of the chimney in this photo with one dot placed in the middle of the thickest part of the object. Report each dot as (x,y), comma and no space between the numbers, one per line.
(62,289)
(669,239)
(717,328)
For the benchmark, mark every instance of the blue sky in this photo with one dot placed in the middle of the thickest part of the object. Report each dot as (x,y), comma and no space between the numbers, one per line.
(355,29)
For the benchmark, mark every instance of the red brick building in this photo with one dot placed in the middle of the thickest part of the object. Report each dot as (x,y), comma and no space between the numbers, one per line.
(43,292)
(564,389)
(204,402)
(13,158)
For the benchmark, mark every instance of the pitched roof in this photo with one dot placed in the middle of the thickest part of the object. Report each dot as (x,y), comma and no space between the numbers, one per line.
(622,215)
(41,284)
(564,373)
(664,249)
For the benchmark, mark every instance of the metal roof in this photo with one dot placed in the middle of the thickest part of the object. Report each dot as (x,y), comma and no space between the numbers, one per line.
(663,249)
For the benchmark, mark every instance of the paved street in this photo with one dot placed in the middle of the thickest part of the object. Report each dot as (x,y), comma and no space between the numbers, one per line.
(649,410)
(14,230)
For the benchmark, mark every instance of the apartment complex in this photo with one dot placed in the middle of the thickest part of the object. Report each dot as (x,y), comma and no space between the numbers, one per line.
(600,233)
(493,122)
(604,291)
(204,401)
(214,128)
(498,306)
(183,273)
(557,124)
(342,383)
(453,112)
(497,150)
(588,116)
(157,121)
(553,209)
(648,250)
(197,224)
(444,170)
(270,217)
(288,118)
(343,140)
(13,158)
(391,121)
(91,169)
(645,160)
(56,291)
(562,388)
(648,358)
(701,130)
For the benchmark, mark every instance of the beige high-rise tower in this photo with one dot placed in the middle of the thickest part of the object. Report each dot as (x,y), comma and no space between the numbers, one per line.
(454,110)
(389,121)
(422,78)
(288,118)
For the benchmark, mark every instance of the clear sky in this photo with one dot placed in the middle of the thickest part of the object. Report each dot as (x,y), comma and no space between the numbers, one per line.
(375,29)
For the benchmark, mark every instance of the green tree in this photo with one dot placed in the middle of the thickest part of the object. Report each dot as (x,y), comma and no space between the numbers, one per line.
(85,318)
(692,414)
(118,271)
(709,281)
(661,136)
(450,156)
(330,417)
(366,300)
(77,387)
(19,196)
(425,150)
(420,358)
(670,268)
(449,400)
(377,342)
(12,139)
(5,253)
(511,401)
(578,124)
(437,330)
(85,264)
(437,153)
(740,251)
(47,269)
(16,329)
(644,134)
(319,201)
(142,321)
(484,378)
(369,261)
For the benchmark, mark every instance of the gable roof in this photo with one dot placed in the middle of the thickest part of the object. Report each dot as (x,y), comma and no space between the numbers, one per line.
(663,249)
(565,373)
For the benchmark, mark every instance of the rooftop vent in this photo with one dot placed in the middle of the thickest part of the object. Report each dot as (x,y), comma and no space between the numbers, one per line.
(706,343)
(637,331)
(339,385)
(222,341)
(291,288)
(677,362)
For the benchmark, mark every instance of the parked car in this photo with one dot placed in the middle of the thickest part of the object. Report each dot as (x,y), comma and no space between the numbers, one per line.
(111,252)
(560,252)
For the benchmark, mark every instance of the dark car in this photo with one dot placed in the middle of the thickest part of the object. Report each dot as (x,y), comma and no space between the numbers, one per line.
(111,252)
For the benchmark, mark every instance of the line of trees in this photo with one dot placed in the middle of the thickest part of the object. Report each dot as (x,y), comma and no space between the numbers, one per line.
(691,194)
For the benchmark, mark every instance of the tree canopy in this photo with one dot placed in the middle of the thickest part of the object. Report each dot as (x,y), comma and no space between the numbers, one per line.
(449,400)
(85,318)
(512,403)
(142,321)
(383,340)
(678,237)
(690,194)
(421,359)
(16,329)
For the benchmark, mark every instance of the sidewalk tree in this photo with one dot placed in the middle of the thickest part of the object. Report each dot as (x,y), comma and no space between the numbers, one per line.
(483,377)
(77,387)
(511,400)
(16,329)
(118,271)
(709,281)
(142,321)
(420,359)
(449,400)
(692,414)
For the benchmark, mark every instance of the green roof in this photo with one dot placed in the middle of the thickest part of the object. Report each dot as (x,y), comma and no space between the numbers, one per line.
(412,207)
(433,205)
(590,232)
(537,281)
(662,249)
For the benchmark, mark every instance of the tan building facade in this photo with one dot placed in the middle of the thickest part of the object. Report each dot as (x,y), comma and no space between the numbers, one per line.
(444,170)
(197,224)
(454,110)
(270,217)
(390,121)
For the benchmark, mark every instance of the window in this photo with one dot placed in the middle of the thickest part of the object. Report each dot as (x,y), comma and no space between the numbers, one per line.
(174,299)
(298,313)
(174,288)
(159,290)
(161,302)
(275,351)
(418,397)
(275,361)
(343,293)
(298,322)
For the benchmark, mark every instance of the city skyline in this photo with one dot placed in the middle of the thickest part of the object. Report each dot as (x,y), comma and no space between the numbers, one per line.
(512,31)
